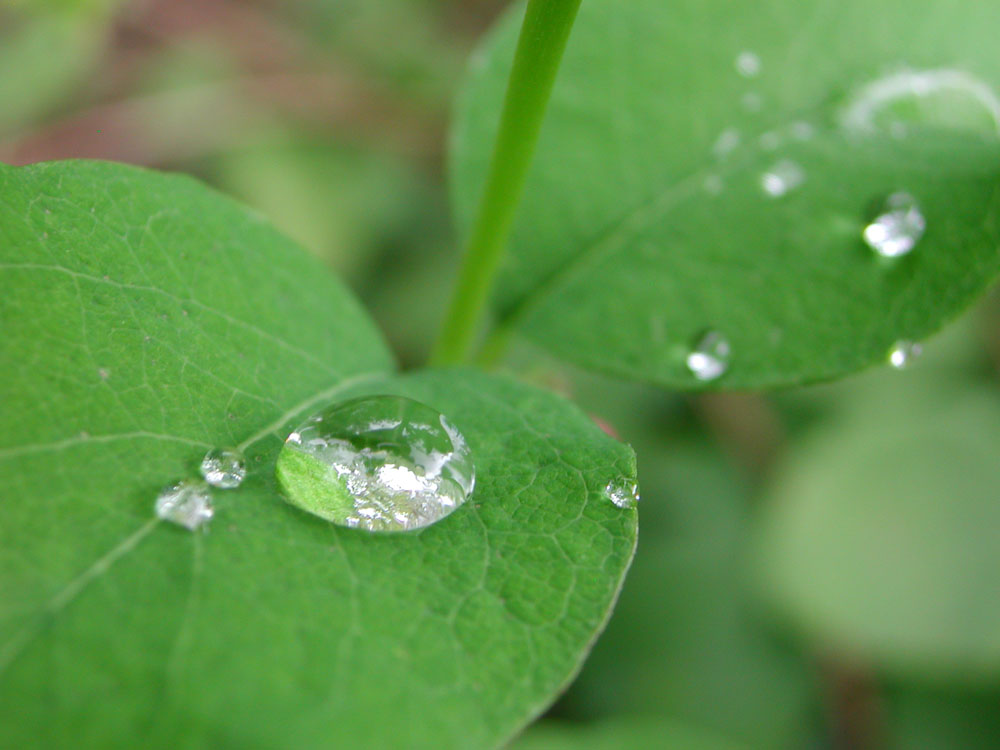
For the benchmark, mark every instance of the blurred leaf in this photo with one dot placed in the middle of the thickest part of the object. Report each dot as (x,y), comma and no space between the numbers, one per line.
(43,60)
(153,319)
(632,733)
(424,58)
(645,221)
(343,205)
(880,533)
(920,719)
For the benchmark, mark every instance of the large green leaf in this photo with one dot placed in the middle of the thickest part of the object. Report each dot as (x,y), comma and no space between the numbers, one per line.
(147,319)
(645,222)
(879,537)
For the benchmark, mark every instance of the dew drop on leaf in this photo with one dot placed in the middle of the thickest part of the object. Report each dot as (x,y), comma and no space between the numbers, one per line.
(769,141)
(747,64)
(224,468)
(187,503)
(898,228)
(940,99)
(726,143)
(782,178)
(802,130)
(752,102)
(903,353)
(709,359)
(623,492)
(381,463)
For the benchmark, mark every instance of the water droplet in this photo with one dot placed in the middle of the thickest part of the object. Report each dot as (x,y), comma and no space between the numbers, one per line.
(752,102)
(903,353)
(623,492)
(187,503)
(224,468)
(770,140)
(782,178)
(802,130)
(709,359)
(747,64)
(713,184)
(941,98)
(726,143)
(381,463)
(899,227)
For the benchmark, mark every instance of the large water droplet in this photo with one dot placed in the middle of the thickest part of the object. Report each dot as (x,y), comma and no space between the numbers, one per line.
(747,64)
(623,492)
(903,353)
(187,503)
(381,463)
(709,359)
(224,468)
(939,99)
(782,178)
(898,228)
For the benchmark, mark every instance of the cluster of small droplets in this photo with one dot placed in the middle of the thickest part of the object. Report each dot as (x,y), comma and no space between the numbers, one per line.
(188,503)
(894,232)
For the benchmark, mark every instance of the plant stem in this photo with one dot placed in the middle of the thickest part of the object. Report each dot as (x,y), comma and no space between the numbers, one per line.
(544,33)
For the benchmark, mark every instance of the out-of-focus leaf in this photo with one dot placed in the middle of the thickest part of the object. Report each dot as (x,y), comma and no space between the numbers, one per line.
(880,533)
(672,195)
(43,59)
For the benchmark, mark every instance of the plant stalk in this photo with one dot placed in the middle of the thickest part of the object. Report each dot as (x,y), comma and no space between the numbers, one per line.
(544,33)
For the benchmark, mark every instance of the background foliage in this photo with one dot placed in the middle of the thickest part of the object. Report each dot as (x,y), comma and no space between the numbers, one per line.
(817,567)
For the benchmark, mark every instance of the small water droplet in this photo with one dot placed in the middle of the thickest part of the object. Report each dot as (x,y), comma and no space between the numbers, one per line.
(224,468)
(903,353)
(623,492)
(898,228)
(747,64)
(782,178)
(726,143)
(802,130)
(713,184)
(187,503)
(752,102)
(770,140)
(381,463)
(709,359)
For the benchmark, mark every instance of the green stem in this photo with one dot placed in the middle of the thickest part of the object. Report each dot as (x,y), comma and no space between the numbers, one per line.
(546,28)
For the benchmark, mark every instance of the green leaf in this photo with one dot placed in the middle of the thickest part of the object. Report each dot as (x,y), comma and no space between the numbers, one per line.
(879,537)
(637,234)
(635,734)
(147,319)
(686,640)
